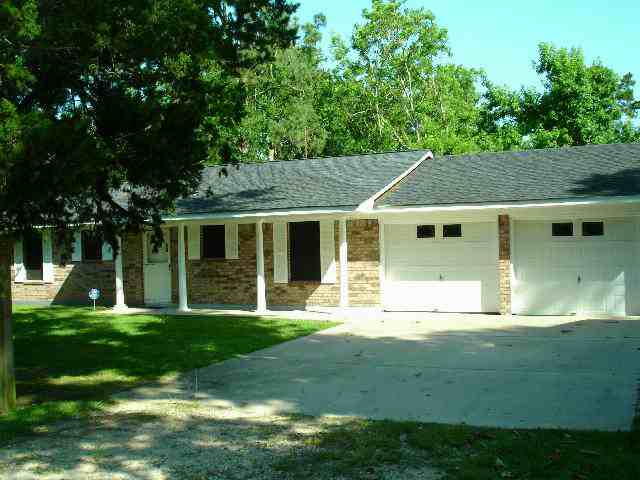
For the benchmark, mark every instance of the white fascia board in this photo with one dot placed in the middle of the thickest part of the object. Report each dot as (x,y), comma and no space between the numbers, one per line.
(368,204)
(509,206)
(253,216)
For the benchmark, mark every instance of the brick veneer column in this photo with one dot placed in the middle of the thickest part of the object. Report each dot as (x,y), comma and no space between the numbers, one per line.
(504,263)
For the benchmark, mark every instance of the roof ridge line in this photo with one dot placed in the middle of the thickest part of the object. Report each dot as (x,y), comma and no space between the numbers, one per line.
(386,152)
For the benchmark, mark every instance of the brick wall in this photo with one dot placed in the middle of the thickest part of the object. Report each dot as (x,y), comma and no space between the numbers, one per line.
(230,281)
(300,293)
(218,281)
(71,282)
(234,281)
(504,263)
(364,262)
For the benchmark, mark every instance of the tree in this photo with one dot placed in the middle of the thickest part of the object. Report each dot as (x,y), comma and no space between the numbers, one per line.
(579,104)
(282,97)
(105,112)
(407,96)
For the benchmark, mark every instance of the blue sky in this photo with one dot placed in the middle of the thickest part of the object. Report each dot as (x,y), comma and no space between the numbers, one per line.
(501,36)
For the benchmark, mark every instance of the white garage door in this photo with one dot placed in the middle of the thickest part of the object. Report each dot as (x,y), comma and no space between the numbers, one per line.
(566,267)
(439,272)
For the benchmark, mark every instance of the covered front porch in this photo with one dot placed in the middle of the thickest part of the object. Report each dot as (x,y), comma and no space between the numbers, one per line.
(263,264)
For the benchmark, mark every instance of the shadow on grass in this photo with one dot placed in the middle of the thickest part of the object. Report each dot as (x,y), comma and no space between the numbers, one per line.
(186,442)
(466,452)
(77,357)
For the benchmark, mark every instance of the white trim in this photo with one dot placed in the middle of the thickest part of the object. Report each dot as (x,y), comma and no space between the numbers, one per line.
(505,206)
(361,212)
(120,302)
(19,270)
(261,300)
(512,254)
(194,241)
(231,241)
(259,214)
(369,203)
(382,262)
(327,251)
(47,255)
(344,265)
(76,255)
(280,253)
(107,252)
(183,305)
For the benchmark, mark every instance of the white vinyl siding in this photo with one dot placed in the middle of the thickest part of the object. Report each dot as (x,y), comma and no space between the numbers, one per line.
(280,247)
(327,252)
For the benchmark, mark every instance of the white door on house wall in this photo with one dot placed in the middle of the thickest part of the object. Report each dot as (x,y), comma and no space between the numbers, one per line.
(574,266)
(157,272)
(441,267)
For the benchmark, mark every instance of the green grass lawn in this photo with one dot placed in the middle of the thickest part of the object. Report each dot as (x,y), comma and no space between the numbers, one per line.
(361,448)
(69,360)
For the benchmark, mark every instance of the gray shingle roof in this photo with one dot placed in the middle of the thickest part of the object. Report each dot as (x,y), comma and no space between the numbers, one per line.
(546,174)
(321,182)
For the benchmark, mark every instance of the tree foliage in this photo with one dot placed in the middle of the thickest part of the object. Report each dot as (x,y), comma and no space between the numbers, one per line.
(579,104)
(116,96)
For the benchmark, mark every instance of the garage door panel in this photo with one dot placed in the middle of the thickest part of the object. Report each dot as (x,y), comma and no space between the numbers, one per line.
(444,274)
(564,275)
(414,273)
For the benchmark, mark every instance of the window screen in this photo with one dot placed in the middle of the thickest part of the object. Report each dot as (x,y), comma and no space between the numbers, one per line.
(592,229)
(32,245)
(452,231)
(213,241)
(91,246)
(426,231)
(304,238)
(564,229)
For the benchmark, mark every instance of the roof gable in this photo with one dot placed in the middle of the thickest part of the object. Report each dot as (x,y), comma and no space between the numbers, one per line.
(332,182)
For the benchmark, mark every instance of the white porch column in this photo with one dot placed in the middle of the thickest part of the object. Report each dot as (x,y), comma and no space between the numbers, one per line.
(344,265)
(120,305)
(261,303)
(182,272)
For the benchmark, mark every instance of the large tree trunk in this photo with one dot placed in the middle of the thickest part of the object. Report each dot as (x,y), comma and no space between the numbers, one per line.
(7,375)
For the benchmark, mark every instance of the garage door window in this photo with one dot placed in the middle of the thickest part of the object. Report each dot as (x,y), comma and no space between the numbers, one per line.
(426,231)
(592,229)
(452,231)
(564,229)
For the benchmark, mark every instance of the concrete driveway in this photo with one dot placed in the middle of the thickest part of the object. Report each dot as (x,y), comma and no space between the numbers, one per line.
(477,369)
